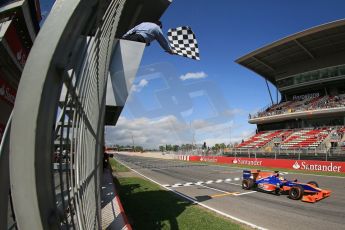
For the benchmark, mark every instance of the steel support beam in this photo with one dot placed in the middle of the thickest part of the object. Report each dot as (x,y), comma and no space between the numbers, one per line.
(263,63)
(304,49)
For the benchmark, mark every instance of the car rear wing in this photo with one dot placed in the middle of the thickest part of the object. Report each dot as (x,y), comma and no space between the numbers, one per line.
(255,174)
(247,174)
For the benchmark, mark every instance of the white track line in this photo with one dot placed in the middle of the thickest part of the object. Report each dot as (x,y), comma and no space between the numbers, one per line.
(196,202)
(233,183)
(176,185)
(215,189)
(244,193)
(219,190)
(202,182)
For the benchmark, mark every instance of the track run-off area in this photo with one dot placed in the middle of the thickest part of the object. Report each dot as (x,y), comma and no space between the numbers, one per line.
(218,188)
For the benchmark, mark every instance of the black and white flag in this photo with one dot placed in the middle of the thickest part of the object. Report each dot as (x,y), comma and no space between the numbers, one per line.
(182,41)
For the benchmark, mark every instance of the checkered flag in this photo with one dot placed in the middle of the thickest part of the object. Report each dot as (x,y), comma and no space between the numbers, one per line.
(182,41)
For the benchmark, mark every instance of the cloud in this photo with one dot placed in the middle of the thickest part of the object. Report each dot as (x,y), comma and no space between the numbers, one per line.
(138,87)
(150,133)
(195,75)
(233,112)
(146,132)
(200,124)
(223,136)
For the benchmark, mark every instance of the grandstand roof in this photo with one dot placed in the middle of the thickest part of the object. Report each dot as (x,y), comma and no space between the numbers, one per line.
(271,60)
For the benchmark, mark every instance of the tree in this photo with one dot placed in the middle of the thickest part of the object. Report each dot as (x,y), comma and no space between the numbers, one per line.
(138,149)
(168,147)
(222,146)
(176,148)
(161,148)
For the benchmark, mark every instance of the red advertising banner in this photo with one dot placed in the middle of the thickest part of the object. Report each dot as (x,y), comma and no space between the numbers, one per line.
(7,93)
(308,165)
(15,44)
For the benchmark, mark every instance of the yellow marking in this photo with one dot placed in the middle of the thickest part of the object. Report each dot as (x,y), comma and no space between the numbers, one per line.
(224,194)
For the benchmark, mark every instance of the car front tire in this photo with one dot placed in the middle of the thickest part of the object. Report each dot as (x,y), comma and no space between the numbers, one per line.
(296,192)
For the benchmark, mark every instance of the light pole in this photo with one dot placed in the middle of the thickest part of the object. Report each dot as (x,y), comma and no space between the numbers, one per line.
(193,135)
(132,143)
(230,135)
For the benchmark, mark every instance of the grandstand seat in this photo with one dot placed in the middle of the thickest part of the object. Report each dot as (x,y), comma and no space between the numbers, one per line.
(305,138)
(260,139)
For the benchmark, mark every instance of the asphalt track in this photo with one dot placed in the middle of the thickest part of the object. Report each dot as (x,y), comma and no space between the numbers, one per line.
(219,188)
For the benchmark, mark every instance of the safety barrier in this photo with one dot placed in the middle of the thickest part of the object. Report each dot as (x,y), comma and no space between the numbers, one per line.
(113,214)
(308,165)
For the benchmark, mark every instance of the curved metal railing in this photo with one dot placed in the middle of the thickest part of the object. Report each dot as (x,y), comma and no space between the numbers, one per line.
(57,131)
(7,216)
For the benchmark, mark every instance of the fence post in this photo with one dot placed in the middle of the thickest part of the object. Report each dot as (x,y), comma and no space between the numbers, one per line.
(299,155)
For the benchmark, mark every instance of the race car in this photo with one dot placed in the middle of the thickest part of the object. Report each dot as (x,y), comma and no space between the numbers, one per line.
(273,182)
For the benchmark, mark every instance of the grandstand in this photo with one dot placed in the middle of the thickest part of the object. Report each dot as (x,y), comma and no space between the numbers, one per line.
(308,69)
(19,24)
(317,103)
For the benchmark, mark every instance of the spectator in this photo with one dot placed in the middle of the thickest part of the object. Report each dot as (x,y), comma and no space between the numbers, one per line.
(147,32)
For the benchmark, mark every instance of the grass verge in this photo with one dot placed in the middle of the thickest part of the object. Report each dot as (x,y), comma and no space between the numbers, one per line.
(148,206)
(116,166)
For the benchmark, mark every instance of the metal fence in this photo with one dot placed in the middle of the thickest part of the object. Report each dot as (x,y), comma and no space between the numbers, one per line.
(57,132)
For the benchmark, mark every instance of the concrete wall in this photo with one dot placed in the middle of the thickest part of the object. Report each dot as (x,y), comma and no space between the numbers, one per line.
(123,69)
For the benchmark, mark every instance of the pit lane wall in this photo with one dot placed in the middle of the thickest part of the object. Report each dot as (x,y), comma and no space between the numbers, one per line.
(306,165)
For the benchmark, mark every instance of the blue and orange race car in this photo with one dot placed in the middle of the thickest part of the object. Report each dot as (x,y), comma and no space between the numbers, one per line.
(273,182)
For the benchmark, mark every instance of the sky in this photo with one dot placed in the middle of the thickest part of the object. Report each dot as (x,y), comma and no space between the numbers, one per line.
(188,101)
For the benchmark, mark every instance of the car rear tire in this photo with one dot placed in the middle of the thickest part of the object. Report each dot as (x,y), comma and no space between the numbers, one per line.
(277,191)
(296,192)
(247,184)
(314,183)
